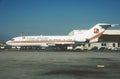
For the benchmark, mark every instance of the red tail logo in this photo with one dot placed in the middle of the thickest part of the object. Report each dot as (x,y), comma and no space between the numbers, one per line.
(96,30)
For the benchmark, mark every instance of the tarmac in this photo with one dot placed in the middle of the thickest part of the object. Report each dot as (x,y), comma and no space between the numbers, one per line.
(59,65)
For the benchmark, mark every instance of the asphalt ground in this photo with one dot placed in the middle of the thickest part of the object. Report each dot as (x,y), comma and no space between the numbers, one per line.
(59,65)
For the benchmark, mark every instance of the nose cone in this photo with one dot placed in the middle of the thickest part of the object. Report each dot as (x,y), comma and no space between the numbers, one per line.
(8,42)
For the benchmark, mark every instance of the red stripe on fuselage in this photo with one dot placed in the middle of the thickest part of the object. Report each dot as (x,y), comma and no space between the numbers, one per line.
(97,36)
(42,41)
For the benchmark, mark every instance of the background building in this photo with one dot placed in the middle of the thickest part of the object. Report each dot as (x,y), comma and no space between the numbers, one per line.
(109,40)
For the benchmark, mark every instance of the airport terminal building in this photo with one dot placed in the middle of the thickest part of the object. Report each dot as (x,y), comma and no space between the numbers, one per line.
(109,40)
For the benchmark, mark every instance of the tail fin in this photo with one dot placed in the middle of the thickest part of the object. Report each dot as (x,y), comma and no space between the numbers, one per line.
(95,32)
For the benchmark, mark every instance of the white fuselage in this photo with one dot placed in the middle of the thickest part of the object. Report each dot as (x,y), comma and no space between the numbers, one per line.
(91,35)
(41,40)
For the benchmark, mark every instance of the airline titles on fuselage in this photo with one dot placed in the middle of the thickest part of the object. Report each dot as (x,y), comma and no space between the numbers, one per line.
(46,38)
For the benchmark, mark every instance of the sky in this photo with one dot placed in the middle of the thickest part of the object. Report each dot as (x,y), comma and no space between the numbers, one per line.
(54,17)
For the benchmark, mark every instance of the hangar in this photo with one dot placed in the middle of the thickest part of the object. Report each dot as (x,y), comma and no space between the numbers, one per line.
(109,40)
(111,36)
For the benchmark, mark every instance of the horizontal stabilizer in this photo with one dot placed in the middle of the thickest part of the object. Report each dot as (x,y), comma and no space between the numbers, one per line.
(105,26)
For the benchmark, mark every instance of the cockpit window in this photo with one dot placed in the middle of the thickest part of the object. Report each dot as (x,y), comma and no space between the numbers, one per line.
(12,39)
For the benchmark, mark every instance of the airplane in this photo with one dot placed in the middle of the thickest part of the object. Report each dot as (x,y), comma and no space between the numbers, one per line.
(62,42)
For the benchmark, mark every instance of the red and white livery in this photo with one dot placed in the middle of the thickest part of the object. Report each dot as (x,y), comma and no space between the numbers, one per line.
(91,35)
